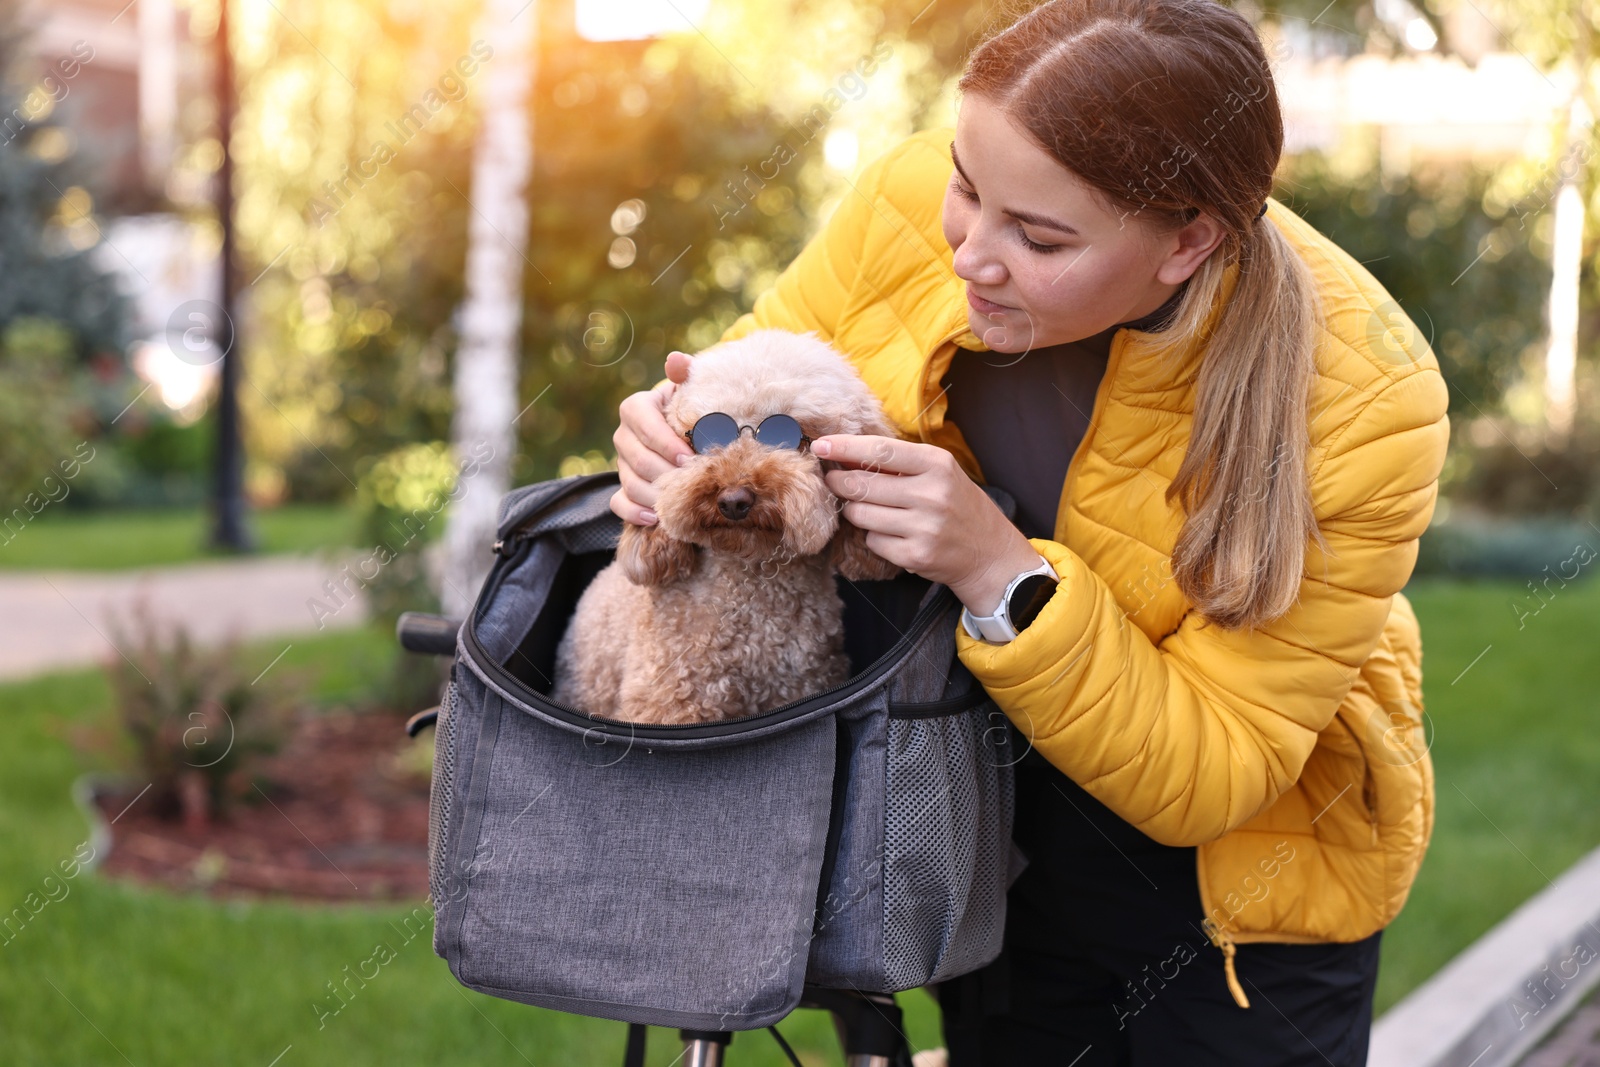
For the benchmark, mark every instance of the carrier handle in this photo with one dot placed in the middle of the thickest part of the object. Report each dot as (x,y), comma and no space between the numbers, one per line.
(434,635)
(421,721)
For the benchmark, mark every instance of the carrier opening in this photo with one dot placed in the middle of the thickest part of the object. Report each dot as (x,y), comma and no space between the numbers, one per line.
(877,614)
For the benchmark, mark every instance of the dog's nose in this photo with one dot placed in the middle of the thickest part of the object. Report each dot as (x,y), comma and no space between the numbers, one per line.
(735,503)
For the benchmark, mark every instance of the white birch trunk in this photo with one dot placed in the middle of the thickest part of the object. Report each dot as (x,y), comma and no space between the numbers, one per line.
(1561,358)
(482,435)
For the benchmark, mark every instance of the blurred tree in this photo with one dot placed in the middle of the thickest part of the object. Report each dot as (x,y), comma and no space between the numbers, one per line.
(47,225)
(1416,233)
(1557,37)
(491,313)
(58,310)
(659,212)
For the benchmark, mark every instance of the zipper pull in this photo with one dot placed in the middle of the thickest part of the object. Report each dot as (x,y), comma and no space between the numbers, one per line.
(1220,938)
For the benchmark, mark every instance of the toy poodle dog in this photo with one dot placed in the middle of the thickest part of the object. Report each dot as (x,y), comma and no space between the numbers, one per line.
(727,606)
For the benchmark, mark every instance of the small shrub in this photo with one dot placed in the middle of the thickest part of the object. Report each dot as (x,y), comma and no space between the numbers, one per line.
(197,724)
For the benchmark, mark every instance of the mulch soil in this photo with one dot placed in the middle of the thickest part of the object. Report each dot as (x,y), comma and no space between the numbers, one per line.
(332,816)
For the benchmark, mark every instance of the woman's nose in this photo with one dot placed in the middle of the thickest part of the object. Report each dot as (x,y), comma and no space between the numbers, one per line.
(976,263)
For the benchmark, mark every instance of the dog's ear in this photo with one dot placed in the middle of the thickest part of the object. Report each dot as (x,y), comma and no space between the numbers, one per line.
(849,555)
(650,557)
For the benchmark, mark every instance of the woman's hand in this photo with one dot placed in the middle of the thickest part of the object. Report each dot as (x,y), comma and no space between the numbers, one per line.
(922,512)
(646,446)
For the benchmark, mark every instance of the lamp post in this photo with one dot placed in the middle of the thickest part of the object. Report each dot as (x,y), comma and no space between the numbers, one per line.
(229,529)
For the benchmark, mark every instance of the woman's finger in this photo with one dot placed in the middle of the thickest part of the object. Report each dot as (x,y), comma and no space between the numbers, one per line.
(851,483)
(635,497)
(643,465)
(677,367)
(880,518)
(875,452)
(627,511)
(641,492)
(659,446)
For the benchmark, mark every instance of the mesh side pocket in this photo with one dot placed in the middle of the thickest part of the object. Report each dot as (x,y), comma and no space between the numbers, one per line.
(947,835)
(440,791)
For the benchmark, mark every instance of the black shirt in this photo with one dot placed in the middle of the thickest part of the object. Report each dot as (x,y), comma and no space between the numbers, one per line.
(1023,414)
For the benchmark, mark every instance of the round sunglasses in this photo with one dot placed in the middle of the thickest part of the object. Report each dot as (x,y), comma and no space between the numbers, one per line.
(718,429)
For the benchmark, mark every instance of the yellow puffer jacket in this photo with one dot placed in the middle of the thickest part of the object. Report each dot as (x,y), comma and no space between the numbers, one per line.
(1293,756)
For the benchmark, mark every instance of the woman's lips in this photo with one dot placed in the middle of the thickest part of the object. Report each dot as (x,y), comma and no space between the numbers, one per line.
(985,307)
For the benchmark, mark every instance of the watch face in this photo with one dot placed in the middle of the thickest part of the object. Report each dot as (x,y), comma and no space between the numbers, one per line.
(1029,598)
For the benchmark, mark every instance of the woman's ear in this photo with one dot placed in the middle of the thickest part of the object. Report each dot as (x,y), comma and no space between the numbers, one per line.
(1187,249)
(649,556)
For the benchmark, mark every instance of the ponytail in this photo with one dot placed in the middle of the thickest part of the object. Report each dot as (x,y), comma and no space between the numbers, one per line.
(1243,483)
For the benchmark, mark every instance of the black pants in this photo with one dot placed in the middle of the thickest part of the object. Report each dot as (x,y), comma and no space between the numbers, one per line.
(1106,965)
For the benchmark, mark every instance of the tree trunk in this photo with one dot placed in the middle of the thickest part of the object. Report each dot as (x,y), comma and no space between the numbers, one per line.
(1566,253)
(482,435)
(1566,263)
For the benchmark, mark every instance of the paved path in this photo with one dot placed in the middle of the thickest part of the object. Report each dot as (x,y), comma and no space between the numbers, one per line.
(54,620)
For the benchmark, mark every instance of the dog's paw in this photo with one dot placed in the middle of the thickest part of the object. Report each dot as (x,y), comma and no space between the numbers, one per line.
(650,557)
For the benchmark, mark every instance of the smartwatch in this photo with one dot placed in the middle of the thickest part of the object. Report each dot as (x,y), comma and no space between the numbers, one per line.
(1025,596)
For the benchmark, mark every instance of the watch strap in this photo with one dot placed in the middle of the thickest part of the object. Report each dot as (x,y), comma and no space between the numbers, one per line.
(998,628)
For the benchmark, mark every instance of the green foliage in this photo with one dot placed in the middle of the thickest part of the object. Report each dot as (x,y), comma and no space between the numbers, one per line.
(1469,280)
(195,722)
(402,498)
(672,141)
(44,242)
(1560,479)
(37,429)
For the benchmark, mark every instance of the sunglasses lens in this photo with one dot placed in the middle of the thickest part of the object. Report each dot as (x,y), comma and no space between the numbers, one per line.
(716,430)
(780,431)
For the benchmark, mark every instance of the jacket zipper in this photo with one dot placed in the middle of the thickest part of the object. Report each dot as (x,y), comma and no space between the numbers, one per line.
(1220,938)
(1218,935)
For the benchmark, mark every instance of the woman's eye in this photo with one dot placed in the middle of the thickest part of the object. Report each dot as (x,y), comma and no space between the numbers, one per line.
(1034,245)
(966,194)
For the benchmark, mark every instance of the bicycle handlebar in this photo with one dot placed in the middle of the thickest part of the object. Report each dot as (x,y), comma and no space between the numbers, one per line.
(429,634)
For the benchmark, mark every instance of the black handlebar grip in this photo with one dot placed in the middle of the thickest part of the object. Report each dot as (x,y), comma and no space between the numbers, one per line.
(430,634)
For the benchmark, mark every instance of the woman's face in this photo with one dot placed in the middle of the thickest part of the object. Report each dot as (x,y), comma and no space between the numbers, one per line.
(1044,263)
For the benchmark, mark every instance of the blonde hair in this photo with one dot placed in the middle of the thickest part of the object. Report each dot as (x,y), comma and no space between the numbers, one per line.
(1118,91)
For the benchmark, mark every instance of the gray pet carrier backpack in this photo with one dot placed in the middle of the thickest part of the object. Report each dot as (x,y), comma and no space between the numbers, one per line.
(699,876)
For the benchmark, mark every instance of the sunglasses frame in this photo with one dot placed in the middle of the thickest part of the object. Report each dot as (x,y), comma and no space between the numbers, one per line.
(755,431)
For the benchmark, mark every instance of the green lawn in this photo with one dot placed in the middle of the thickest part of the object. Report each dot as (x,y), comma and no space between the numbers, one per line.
(116,539)
(107,971)
(1516,744)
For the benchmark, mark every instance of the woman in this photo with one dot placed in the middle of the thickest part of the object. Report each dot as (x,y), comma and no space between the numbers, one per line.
(1222,456)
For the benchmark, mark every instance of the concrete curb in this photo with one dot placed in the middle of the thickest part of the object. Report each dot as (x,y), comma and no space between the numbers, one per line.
(1494,1002)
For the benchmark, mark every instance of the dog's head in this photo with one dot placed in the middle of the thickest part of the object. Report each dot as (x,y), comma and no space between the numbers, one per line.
(747,500)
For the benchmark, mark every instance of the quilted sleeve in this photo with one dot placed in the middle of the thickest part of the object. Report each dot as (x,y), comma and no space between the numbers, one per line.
(1191,736)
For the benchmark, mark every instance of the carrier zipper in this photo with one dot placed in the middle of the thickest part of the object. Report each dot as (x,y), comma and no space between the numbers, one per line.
(939,604)
(1220,938)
